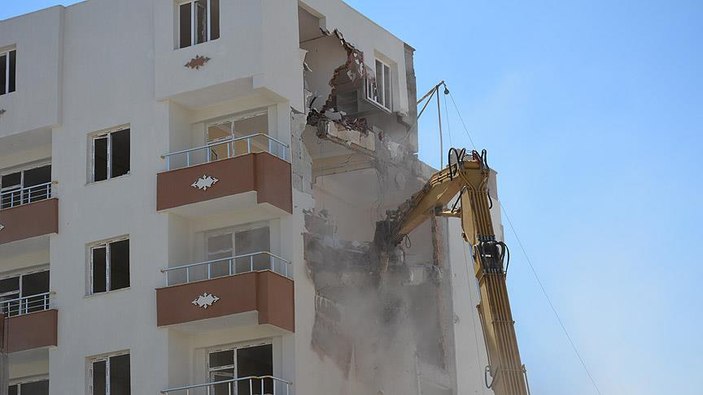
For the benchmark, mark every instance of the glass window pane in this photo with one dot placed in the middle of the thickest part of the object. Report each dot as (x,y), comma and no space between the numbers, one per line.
(35,388)
(3,74)
(99,269)
(35,283)
(11,180)
(120,153)
(100,159)
(119,375)
(221,358)
(387,87)
(119,264)
(11,284)
(34,177)
(99,380)
(13,70)
(255,361)
(185,25)
(201,21)
(13,390)
(214,19)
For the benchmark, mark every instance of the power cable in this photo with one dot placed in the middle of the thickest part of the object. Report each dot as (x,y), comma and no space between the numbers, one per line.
(532,268)
(546,296)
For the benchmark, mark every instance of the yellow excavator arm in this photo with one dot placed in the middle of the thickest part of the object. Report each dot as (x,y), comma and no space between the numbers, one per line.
(467,176)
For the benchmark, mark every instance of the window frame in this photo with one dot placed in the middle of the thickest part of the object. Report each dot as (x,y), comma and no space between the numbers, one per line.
(194,23)
(108,134)
(108,265)
(27,380)
(234,348)
(386,103)
(7,53)
(21,185)
(19,276)
(106,358)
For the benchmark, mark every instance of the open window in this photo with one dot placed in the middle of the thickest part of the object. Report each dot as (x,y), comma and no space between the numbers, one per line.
(25,186)
(110,375)
(8,71)
(24,293)
(109,266)
(30,387)
(198,22)
(239,250)
(110,154)
(240,363)
(379,88)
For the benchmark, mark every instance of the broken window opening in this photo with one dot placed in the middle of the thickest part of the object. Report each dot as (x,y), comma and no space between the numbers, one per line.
(250,244)
(241,362)
(8,71)
(198,22)
(109,266)
(379,89)
(25,186)
(35,387)
(110,375)
(249,132)
(24,293)
(111,154)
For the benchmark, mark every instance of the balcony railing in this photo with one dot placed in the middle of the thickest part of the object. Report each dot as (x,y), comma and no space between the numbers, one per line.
(16,197)
(252,385)
(227,148)
(229,266)
(26,304)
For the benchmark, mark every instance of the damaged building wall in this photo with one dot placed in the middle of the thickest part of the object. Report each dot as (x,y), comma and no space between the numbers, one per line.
(370,325)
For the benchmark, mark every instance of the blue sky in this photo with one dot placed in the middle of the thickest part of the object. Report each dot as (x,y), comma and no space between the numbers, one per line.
(592,112)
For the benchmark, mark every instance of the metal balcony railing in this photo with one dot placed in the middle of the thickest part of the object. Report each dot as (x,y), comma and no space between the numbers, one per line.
(26,304)
(16,197)
(227,148)
(252,385)
(229,266)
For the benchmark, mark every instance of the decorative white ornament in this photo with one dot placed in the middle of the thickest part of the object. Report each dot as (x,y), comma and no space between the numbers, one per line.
(205,300)
(204,182)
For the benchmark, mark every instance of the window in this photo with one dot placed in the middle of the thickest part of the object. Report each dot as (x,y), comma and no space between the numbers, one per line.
(24,293)
(25,186)
(253,125)
(242,362)
(378,89)
(8,70)
(198,21)
(40,387)
(109,266)
(110,154)
(110,375)
(248,244)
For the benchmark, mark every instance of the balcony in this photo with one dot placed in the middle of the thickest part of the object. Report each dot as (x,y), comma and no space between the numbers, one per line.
(250,289)
(263,385)
(28,322)
(250,173)
(28,212)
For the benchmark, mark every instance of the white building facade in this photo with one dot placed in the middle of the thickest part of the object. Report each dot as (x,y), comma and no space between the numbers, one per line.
(189,194)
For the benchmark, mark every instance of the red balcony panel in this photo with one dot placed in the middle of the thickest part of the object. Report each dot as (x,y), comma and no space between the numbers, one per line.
(265,292)
(29,331)
(261,172)
(29,220)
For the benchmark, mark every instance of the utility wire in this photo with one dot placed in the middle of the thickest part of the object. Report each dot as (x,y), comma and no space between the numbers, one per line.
(546,296)
(532,268)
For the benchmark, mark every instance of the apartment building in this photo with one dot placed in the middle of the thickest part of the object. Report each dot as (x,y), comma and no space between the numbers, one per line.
(189,195)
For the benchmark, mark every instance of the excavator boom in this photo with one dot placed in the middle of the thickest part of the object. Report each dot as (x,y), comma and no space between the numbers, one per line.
(467,176)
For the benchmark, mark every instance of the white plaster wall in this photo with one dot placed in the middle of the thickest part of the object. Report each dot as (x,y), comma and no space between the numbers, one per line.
(108,81)
(237,54)
(37,38)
